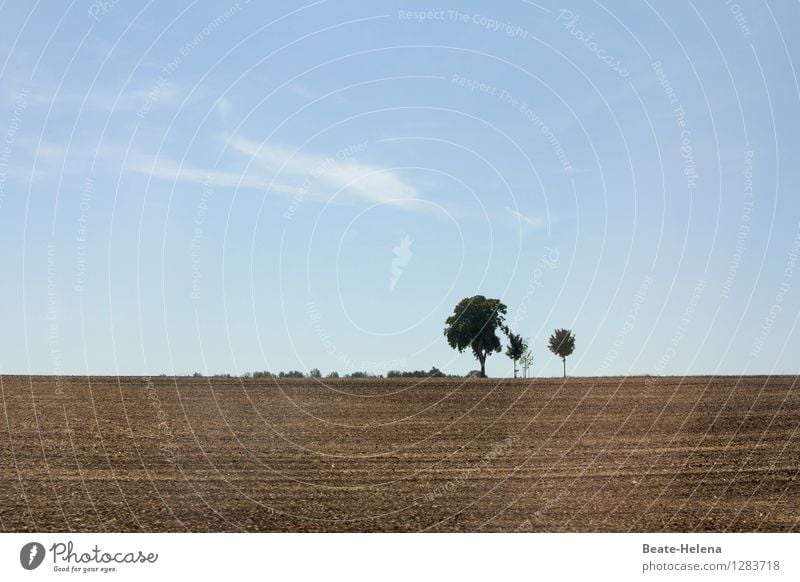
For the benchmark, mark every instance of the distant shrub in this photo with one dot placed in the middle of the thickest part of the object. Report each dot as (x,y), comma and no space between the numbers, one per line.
(291,374)
(333,375)
(315,373)
(433,373)
(264,374)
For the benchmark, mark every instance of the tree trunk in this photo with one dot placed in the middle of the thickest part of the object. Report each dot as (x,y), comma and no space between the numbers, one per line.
(563,359)
(482,359)
(515,368)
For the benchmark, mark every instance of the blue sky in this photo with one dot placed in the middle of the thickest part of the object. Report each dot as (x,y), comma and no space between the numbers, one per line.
(232,187)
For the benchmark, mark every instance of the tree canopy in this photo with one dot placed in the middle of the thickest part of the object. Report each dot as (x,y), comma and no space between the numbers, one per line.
(517,346)
(562,344)
(474,325)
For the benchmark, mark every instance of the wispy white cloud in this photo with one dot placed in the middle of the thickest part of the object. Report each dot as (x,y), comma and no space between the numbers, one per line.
(166,94)
(167,169)
(308,94)
(328,176)
(281,170)
(51,151)
(527,222)
(302,91)
(223,106)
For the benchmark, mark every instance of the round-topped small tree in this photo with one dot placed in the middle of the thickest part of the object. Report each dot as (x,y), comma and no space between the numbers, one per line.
(562,344)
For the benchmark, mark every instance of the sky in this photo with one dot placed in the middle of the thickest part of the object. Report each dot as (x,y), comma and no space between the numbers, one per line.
(228,187)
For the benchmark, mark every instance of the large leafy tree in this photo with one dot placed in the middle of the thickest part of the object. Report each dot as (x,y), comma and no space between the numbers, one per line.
(562,344)
(474,325)
(516,347)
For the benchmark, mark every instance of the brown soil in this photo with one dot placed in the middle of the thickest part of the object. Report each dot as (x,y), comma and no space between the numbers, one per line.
(585,454)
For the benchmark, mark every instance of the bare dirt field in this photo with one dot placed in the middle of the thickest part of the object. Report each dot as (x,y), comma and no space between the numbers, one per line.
(585,454)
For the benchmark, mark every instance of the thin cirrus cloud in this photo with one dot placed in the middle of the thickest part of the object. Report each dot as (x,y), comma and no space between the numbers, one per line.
(167,169)
(281,170)
(326,177)
(527,222)
(165,96)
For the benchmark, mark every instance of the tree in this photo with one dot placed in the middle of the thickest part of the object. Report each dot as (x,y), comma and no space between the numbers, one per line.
(315,373)
(516,347)
(526,361)
(562,344)
(474,325)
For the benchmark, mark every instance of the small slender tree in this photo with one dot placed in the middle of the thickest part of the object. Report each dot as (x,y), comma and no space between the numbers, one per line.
(526,361)
(562,344)
(516,347)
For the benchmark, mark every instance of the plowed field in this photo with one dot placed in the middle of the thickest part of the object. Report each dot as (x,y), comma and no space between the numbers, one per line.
(585,454)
